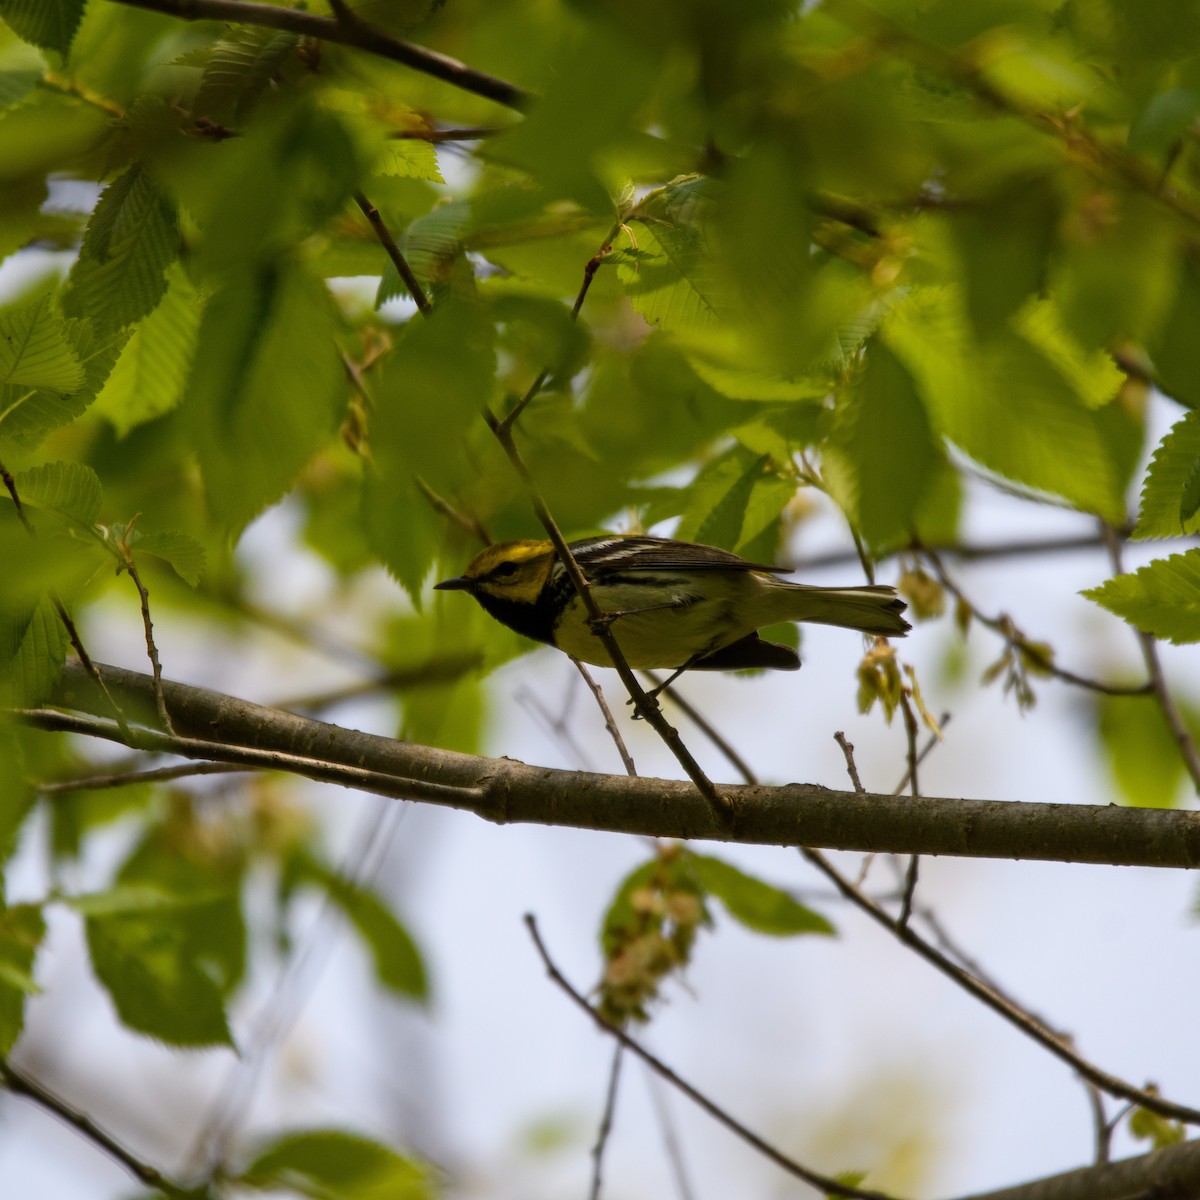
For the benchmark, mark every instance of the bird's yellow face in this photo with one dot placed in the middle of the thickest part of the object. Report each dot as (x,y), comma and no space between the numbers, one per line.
(512,571)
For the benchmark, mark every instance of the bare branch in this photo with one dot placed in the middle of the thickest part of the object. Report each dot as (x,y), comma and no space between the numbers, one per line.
(19,1084)
(999,1003)
(830,1186)
(606,1122)
(393,250)
(609,723)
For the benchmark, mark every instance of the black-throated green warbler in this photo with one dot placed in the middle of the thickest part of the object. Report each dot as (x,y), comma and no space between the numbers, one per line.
(674,604)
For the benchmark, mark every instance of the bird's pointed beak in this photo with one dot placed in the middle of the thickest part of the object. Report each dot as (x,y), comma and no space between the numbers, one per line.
(460,583)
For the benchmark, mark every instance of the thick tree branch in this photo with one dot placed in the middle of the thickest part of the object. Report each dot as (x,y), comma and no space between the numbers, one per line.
(354,33)
(216,727)
(1172,1173)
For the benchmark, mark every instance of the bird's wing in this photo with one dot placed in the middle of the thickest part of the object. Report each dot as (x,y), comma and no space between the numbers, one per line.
(628,552)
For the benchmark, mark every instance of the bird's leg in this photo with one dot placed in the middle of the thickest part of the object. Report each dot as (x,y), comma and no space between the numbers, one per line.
(605,619)
(666,683)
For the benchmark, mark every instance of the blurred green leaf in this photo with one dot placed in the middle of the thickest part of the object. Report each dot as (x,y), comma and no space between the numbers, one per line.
(143,959)
(22,929)
(1007,404)
(433,387)
(327,1164)
(1162,598)
(753,903)
(398,963)
(148,378)
(266,393)
(885,449)
(1140,750)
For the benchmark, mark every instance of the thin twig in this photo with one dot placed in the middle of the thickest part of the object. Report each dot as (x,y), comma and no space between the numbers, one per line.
(471,525)
(251,757)
(609,723)
(589,273)
(20,1084)
(926,750)
(910,731)
(645,706)
(670,1136)
(851,767)
(815,1179)
(705,726)
(469,134)
(1158,681)
(130,567)
(606,1122)
(394,252)
(356,33)
(1003,625)
(119,779)
(1024,1021)
(293,986)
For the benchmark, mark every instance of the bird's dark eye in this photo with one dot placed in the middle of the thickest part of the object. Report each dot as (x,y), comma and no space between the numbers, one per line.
(504,570)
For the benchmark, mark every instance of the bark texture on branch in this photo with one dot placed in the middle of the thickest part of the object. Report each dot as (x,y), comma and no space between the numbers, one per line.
(1172,1173)
(795,814)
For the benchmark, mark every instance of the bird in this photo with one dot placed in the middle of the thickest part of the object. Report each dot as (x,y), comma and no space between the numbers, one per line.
(668,604)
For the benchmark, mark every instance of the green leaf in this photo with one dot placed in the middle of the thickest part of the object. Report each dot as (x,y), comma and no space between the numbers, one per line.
(33,648)
(17,794)
(327,1164)
(884,449)
(50,24)
(144,960)
(755,904)
(1190,501)
(1140,749)
(410,158)
(149,376)
(433,245)
(1162,598)
(1003,243)
(1007,404)
(29,413)
(240,68)
(433,386)
(68,488)
(22,929)
(36,351)
(398,963)
(1173,348)
(1166,498)
(265,395)
(181,551)
(131,239)
(733,499)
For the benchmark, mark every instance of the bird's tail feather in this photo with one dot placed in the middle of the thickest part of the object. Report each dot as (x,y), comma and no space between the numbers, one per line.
(871,608)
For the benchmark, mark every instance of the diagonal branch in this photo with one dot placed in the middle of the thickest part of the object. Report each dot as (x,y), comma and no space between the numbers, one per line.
(347,32)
